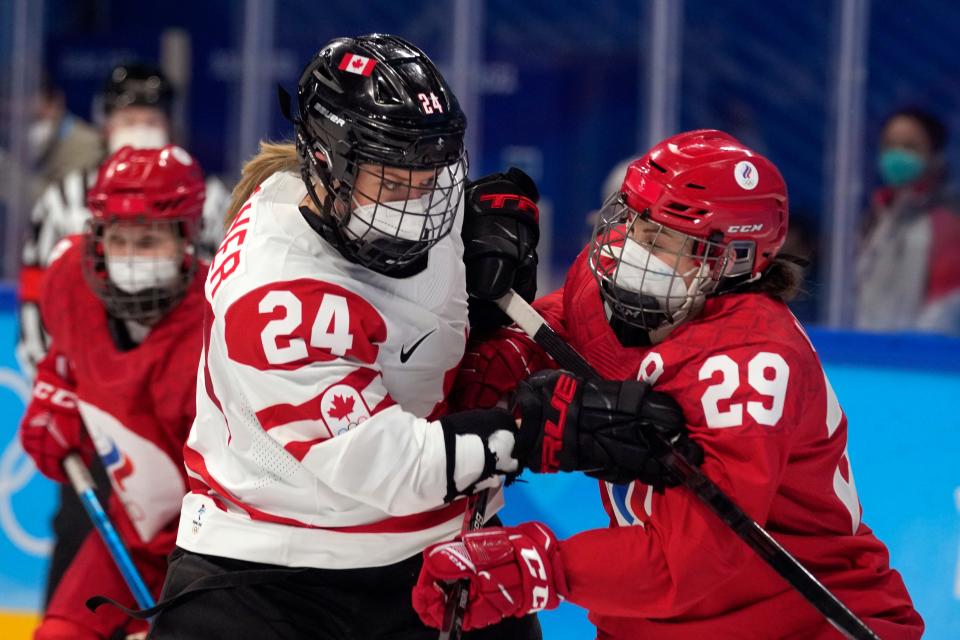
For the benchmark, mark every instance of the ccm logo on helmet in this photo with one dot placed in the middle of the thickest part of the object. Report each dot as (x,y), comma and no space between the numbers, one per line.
(744,228)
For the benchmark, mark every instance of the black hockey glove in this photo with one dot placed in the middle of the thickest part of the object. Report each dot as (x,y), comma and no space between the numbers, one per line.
(602,428)
(500,235)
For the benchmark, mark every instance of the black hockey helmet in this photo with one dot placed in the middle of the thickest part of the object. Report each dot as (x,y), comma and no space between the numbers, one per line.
(372,104)
(137,84)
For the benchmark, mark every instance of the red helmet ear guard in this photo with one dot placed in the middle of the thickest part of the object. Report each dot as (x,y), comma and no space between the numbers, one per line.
(708,185)
(149,185)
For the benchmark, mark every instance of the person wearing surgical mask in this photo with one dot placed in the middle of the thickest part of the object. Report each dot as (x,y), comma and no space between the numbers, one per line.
(907,270)
(136,104)
(123,303)
(134,109)
(681,293)
(58,142)
(339,304)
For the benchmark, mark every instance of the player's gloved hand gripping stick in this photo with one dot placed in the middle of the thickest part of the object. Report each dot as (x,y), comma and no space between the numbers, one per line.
(500,235)
(83,484)
(756,537)
(453,615)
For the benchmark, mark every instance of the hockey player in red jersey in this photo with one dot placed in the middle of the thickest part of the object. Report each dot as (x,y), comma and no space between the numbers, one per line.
(682,287)
(123,305)
(322,460)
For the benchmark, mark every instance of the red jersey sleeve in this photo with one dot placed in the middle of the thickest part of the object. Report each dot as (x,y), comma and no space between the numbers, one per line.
(741,406)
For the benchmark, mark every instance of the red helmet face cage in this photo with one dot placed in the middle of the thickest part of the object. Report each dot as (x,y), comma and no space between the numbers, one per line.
(697,213)
(146,209)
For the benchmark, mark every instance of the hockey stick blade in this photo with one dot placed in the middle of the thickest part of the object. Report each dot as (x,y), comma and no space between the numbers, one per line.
(756,537)
(452,626)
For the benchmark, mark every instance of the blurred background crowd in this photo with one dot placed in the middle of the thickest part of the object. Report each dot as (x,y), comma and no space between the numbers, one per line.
(854,100)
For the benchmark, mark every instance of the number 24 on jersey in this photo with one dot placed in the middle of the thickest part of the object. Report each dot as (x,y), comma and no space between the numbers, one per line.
(302,321)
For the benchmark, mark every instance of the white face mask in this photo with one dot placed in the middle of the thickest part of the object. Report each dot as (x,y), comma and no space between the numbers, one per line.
(421,219)
(640,271)
(139,137)
(39,135)
(133,274)
(403,219)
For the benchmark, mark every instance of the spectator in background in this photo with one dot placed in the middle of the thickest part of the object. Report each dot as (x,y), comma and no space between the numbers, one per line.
(908,265)
(58,141)
(124,305)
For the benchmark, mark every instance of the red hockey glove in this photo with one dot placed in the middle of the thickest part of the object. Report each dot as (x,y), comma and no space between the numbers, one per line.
(492,369)
(513,571)
(51,427)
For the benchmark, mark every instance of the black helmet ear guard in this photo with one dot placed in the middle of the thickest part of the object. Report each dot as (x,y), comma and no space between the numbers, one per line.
(367,105)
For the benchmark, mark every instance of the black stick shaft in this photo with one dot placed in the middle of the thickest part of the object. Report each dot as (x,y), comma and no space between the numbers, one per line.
(756,537)
(452,626)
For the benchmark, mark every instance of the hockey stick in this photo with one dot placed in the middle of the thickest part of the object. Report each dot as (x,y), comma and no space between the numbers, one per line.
(83,484)
(756,537)
(452,626)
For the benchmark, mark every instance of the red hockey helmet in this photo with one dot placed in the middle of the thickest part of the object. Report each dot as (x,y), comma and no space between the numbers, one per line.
(149,184)
(719,205)
(146,208)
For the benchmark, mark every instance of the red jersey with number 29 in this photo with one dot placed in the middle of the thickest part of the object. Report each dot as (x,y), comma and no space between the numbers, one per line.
(775,439)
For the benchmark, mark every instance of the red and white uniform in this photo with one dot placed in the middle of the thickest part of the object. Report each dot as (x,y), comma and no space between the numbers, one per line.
(313,444)
(775,439)
(137,406)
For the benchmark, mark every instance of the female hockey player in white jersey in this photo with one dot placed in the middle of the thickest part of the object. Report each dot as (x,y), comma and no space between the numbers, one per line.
(322,461)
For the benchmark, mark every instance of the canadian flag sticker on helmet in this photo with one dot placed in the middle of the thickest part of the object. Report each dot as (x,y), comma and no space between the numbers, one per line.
(746,175)
(360,65)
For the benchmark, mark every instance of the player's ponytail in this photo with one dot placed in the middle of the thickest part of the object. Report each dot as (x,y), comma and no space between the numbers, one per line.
(781,280)
(273,157)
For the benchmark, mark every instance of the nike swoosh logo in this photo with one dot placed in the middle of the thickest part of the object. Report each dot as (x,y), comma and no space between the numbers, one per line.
(405,355)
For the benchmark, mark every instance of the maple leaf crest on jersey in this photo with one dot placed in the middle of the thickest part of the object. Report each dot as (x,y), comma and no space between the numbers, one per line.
(342,408)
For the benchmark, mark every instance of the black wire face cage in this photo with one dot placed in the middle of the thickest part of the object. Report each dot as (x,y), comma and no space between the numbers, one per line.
(388,217)
(135,287)
(642,266)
